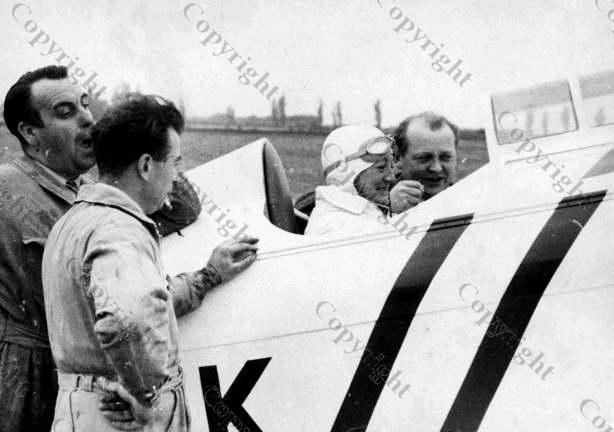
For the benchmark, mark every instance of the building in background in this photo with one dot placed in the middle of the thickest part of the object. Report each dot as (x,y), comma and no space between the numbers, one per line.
(277,121)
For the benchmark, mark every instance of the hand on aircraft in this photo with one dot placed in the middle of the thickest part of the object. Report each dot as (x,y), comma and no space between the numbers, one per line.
(405,194)
(233,256)
(121,408)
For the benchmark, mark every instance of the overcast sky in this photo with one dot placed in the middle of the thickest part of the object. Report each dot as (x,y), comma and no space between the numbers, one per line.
(312,49)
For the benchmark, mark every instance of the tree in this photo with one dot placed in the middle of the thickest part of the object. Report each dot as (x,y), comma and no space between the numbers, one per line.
(230,115)
(339,114)
(282,110)
(378,114)
(320,110)
(275,112)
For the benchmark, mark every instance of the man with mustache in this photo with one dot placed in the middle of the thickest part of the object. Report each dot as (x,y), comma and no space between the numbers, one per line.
(426,146)
(49,114)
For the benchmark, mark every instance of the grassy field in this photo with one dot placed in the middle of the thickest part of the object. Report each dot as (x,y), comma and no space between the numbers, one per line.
(300,153)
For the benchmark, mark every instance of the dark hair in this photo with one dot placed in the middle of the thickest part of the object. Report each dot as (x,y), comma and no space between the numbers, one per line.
(434,122)
(137,125)
(18,101)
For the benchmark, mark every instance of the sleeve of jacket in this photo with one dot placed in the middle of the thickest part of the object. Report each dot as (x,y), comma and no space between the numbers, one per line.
(189,289)
(131,303)
(185,210)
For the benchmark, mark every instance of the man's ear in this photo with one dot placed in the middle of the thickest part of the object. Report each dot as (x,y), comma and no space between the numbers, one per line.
(145,166)
(29,133)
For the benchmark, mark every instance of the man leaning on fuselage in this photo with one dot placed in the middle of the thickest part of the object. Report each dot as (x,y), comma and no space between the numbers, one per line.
(112,315)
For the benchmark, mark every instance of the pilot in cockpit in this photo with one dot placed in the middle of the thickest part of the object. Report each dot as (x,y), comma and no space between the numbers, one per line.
(357,162)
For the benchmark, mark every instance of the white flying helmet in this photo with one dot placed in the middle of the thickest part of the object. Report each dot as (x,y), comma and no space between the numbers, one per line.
(343,150)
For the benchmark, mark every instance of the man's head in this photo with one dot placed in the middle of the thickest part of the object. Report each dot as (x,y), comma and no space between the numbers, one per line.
(137,148)
(52,120)
(358,159)
(426,151)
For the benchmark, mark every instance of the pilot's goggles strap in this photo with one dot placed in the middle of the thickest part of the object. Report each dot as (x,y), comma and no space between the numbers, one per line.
(375,146)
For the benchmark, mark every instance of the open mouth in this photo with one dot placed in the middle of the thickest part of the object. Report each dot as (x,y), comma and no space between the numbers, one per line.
(86,143)
(84,140)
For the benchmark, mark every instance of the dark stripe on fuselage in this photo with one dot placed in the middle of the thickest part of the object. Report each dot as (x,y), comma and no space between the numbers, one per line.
(516,309)
(395,318)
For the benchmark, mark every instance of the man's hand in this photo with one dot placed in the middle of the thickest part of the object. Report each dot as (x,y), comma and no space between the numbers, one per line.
(405,194)
(121,408)
(232,257)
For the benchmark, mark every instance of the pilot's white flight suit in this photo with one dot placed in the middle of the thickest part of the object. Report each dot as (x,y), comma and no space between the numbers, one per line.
(338,211)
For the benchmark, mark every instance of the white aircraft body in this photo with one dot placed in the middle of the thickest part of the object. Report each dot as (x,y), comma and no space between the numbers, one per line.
(491,309)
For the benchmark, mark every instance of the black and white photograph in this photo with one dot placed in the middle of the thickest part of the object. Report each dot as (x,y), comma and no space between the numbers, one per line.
(315,216)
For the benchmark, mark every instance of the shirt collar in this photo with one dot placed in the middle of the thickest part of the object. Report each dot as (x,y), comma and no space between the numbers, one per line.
(47,178)
(54,175)
(107,195)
